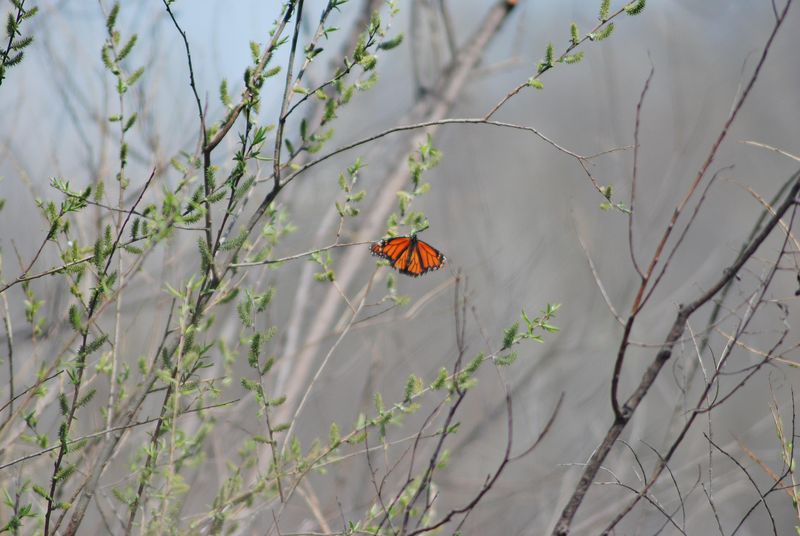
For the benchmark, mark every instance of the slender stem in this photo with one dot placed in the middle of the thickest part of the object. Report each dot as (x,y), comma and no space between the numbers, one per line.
(635,172)
(297,256)
(287,96)
(641,298)
(570,48)
(427,124)
(265,58)
(562,528)
(7,51)
(10,345)
(122,185)
(322,365)
(94,302)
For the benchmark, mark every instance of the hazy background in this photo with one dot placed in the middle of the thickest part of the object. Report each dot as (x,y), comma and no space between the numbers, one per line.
(505,208)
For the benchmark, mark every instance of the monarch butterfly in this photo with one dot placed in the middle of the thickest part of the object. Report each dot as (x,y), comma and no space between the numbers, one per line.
(409,255)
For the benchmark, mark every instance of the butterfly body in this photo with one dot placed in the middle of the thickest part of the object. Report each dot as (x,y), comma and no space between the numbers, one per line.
(409,255)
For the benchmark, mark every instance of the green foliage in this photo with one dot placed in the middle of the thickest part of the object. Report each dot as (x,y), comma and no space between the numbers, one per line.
(19,510)
(604,8)
(111,19)
(440,380)
(534,327)
(206,257)
(635,7)
(224,96)
(65,472)
(127,47)
(425,158)
(507,359)
(334,436)
(603,33)
(235,243)
(255,52)
(32,307)
(414,386)
(325,261)
(75,318)
(254,303)
(348,208)
(40,491)
(255,350)
(574,35)
(510,336)
(535,83)
(14,51)
(391,43)
(607,192)
(93,346)
(473,365)
(573,58)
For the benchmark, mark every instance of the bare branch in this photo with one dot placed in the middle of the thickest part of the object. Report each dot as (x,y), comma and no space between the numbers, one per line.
(635,172)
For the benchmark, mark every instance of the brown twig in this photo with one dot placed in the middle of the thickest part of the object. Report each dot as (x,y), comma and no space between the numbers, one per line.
(635,171)
(755,299)
(761,496)
(564,523)
(511,94)
(262,63)
(73,407)
(10,345)
(106,431)
(436,123)
(297,255)
(287,95)
(637,302)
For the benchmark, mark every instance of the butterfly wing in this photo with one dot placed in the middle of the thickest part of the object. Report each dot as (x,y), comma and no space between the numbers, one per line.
(408,255)
(430,258)
(391,248)
(408,263)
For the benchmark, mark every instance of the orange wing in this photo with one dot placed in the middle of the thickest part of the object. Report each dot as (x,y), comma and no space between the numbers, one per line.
(430,258)
(409,255)
(392,248)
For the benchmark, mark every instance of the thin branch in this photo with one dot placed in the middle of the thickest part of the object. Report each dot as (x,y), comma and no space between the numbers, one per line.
(564,54)
(684,233)
(10,345)
(287,96)
(756,298)
(106,431)
(73,407)
(771,148)
(635,172)
(192,83)
(544,431)
(714,317)
(562,527)
(761,496)
(426,124)
(297,255)
(262,63)
(596,276)
(489,484)
(637,303)
(332,349)
(203,132)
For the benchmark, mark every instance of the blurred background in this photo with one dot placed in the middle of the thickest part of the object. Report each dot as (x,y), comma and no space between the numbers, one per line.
(508,210)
